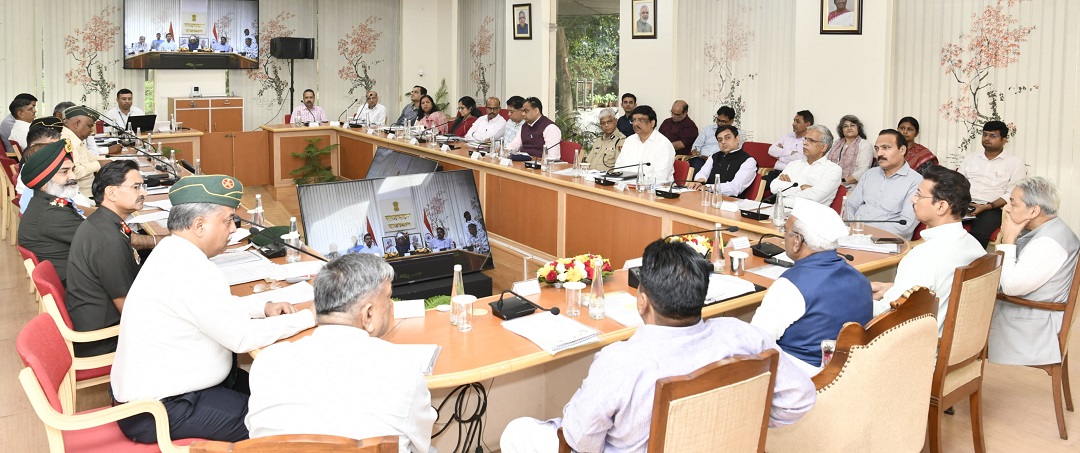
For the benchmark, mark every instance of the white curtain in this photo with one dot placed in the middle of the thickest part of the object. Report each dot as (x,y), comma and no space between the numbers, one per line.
(482,36)
(20,65)
(737,53)
(442,200)
(1037,84)
(336,216)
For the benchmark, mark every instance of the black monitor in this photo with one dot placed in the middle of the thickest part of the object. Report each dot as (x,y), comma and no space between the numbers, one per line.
(144,123)
(388,162)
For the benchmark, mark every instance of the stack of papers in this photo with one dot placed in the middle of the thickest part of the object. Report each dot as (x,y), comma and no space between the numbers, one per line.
(864,242)
(160,204)
(723,287)
(423,354)
(552,333)
(246,267)
(147,218)
(293,294)
(769,271)
(752,205)
(621,306)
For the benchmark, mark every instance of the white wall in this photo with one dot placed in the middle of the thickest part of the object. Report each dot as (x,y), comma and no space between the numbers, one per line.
(428,37)
(647,66)
(177,83)
(840,74)
(529,63)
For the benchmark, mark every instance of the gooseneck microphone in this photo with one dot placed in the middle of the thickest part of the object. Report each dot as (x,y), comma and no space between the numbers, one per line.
(670,192)
(901,221)
(424,140)
(757,214)
(260,230)
(343,112)
(603,181)
(164,165)
(516,307)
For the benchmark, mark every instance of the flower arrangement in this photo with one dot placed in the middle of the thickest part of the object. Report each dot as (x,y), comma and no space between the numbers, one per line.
(390,254)
(420,250)
(699,243)
(575,269)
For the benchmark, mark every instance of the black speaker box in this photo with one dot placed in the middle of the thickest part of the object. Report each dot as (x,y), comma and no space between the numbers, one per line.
(287,48)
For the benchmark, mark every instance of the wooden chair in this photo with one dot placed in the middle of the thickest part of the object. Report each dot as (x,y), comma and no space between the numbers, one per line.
(879,377)
(8,185)
(52,299)
(714,408)
(1059,372)
(567,149)
(16,149)
(838,201)
(962,346)
(30,261)
(299,443)
(756,189)
(47,381)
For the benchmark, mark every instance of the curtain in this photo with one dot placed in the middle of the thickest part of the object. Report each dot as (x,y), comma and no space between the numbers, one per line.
(1032,67)
(444,198)
(738,53)
(20,65)
(482,34)
(336,215)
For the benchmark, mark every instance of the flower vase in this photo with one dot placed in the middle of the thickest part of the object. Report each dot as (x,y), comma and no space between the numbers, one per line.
(557,285)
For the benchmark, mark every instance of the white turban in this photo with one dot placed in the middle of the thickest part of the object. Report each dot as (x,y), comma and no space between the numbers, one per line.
(821,221)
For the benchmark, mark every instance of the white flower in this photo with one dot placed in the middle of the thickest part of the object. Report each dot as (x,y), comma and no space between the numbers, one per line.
(560,268)
(562,277)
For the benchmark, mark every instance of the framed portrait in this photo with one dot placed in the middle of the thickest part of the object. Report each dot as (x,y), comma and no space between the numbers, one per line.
(841,17)
(388,244)
(644,14)
(415,241)
(522,21)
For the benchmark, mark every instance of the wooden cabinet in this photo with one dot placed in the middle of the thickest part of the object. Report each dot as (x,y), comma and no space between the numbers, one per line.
(209,114)
(244,155)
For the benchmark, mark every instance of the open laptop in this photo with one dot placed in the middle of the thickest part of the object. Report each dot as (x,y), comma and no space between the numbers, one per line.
(142,122)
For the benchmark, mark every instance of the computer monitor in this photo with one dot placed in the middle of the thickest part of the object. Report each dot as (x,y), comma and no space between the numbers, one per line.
(144,123)
(388,162)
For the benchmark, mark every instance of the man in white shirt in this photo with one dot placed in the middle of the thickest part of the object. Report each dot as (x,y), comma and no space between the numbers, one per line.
(940,203)
(368,246)
(119,115)
(250,49)
(222,45)
(789,148)
(731,169)
(515,107)
(386,394)
(992,173)
(9,121)
(307,111)
(815,178)
(648,146)
(490,127)
(140,46)
(169,45)
(179,334)
(612,410)
(440,241)
(371,112)
(885,191)
(24,112)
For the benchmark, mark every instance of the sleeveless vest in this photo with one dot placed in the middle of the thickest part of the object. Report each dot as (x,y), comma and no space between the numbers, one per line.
(727,166)
(532,136)
(1057,288)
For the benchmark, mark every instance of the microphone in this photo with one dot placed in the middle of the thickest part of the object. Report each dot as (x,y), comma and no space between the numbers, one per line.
(533,164)
(424,140)
(164,165)
(757,214)
(901,221)
(516,307)
(765,249)
(187,166)
(846,256)
(260,230)
(347,109)
(603,181)
(671,193)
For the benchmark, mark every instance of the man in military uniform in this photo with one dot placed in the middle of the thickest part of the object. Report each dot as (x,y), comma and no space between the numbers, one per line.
(103,262)
(78,125)
(50,221)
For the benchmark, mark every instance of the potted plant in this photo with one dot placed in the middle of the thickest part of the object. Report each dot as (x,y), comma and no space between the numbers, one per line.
(313,170)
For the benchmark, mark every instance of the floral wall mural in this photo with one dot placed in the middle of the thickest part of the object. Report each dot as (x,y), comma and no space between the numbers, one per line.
(93,46)
(272,75)
(357,47)
(479,49)
(721,55)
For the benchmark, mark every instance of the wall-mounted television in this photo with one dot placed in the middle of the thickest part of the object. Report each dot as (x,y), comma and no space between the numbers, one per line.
(423,224)
(191,34)
(388,162)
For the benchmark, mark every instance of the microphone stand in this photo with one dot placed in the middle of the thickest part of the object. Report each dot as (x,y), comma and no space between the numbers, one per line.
(603,181)
(343,112)
(516,307)
(533,164)
(757,214)
(424,140)
(671,193)
(260,231)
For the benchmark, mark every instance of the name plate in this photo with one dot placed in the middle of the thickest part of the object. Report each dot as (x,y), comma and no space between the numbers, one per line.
(527,287)
(740,243)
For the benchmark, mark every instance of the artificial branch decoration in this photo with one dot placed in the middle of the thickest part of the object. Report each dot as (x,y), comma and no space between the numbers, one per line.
(356,45)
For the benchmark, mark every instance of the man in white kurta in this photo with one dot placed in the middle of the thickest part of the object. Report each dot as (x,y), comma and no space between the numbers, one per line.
(382,389)
(489,127)
(940,202)
(180,327)
(371,112)
(647,145)
(815,179)
(78,125)
(1039,262)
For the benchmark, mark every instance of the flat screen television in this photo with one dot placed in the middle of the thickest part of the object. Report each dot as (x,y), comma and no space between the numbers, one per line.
(388,162)
(205,34)
(422,224)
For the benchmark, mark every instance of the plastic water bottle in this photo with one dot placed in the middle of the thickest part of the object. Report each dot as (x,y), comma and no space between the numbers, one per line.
(779,215)
(257,213)
(458,288)
(172,159)
(292,255)
(198,166)
(596,295)
(718,250)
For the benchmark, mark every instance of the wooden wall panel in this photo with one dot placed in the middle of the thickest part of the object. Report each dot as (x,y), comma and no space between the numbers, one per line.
(616,233)
(251,157)
(216,154)
(356,156)
(522,212)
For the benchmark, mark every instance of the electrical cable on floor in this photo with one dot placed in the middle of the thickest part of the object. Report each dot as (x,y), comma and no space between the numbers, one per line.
(472,424)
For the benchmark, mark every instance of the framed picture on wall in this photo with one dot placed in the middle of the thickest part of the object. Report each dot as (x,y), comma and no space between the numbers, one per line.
(841,17)
(644,14)
(523,21)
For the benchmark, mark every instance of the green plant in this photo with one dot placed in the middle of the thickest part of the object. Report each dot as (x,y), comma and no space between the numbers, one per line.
(442,97)
(569,122)
(435,301)
(313,170)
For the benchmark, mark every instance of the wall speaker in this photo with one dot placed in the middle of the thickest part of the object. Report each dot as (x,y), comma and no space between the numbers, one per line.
(287,48)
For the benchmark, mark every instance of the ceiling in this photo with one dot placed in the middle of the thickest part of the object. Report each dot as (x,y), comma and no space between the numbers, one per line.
(587,7)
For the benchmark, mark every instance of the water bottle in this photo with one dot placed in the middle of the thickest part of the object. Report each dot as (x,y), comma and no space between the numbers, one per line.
(457,289)
(198,166)
(172,123)
(172,160)
(718,250)
(596,295)
(293,238)
(257,213)
(779,215)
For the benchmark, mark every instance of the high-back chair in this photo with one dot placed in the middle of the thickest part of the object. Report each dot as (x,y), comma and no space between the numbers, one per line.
(878,376)
(52,299)
(1059,372)
(683,172)
(30,261)
(48,383)
(838,201)
(9,221)
(962,346)
(567,149)
(299,443)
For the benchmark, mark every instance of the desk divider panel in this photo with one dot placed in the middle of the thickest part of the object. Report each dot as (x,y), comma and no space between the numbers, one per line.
(612,231)
(296,144)
(356,156)
(522,212)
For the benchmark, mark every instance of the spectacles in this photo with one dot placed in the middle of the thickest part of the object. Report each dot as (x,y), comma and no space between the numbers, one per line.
(850,125)
(808,139)
(135,187)
(919,195)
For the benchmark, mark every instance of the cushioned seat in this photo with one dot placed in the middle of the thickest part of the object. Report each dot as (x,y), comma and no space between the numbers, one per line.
(108,438)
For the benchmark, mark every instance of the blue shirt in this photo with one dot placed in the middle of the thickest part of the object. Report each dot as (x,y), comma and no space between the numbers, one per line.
(880,197)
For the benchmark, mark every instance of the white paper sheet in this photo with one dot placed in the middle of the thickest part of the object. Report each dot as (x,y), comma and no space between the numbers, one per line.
(148,217)
(723,287)
(247,267)
(409,309)
(770,271)
(239,235)
(293,294)
(302,268)
(622,307)
(552,333)
(160,204)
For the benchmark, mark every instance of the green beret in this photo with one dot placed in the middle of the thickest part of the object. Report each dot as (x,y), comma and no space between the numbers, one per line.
(40,167)
(217,189)
(50,122)
(80,110)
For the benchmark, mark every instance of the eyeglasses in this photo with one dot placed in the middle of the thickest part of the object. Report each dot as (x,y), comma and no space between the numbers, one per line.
(808,139)
(919,195)
(849,125)
(135,187)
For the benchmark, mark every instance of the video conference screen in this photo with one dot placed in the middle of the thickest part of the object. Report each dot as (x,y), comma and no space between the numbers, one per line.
(191,34)
(392,163)
(433,216)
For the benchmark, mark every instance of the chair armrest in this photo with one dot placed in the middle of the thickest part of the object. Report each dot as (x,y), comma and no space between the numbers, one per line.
(764,170)
(89,336)
(682,157)
(90,363)
(1052,306)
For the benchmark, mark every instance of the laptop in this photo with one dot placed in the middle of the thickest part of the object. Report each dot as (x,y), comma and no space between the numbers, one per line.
(142,122)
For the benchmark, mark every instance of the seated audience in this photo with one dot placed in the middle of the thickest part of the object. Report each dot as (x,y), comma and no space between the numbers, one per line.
(490,127)
(706,144)
(992,173)
(9,120)
(515,108)
(886,190)
(789,148)
(141,46)
(156,43)
(43,131)
(307,111)
(851,152)
(124,109)
(429,117)
(411,112)
(371,112)
(606,148)
(612,409)
(178,344)
(1040,257)
(732,169)
(679,128)
(369,246)
(940,203)
(467,115)
(629,103)
(811,301)
(648,146)
(250,49)
(918,157)
(222,45)
(23,111)
(103,261)
(539,136)
(169,45)
(386,394)
(815,178)
(49,224)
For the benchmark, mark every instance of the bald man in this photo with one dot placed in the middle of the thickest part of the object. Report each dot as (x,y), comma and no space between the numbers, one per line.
(680,129)
(489,127)
(372,112)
